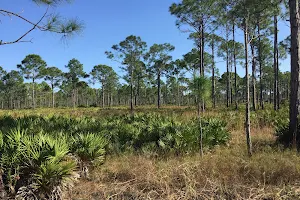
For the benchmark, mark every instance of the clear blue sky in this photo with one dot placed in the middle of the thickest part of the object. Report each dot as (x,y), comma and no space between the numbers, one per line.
(106,23)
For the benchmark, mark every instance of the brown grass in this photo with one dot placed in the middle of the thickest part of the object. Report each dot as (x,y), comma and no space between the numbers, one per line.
(224,173)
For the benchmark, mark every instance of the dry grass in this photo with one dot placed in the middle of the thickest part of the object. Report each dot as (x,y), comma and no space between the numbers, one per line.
(225,173)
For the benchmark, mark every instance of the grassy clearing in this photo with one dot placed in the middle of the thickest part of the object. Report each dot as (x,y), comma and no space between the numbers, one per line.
(224,172)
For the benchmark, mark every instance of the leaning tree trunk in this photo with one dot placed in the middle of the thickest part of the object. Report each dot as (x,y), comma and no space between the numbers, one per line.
(295,64)
(247,123)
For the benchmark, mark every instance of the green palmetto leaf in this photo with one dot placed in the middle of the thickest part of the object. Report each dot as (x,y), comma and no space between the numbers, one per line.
(51,173)
(89,147)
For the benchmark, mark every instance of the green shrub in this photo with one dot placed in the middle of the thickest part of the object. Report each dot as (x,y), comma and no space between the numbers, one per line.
(34,164)
(90,148)
(40,155)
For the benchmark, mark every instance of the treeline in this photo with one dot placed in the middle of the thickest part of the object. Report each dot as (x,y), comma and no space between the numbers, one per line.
(50,87)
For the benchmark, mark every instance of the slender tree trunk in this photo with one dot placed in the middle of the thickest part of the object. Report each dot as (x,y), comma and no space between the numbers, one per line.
(74,96)
(108,99)
(158,89)
(77,97)
(53,96)
(138,92)
(287,90)
(201,130)
(213,73)
(131,91)
(227,70)
(178,92)
(230,78)
(33,94)
(275,63)
(253,78)
(247,123)
(203,46)
(202,58)
(277,75)
(103,96)
(200,53)
(261,96)
(295,64)
(111,99)
(235,68)
(270,97)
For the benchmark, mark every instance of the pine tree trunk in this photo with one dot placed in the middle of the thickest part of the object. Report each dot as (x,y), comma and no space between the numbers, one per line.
(111,100)
(213,73)
(158,89)
(287,90)
(131,91)
(203,46)
(261,96)
(276,103)
(295,63)
(247,123)
(270,97)
(138,92)
(235,68)
(253,78)
(73,98)
(77,97)
(103,96)
(230,79)
(227,70)
(200,53)
(33,94)
(178,93)
(53,96)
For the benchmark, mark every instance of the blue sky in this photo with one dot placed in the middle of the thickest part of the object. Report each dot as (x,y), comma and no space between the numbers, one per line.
(107,22)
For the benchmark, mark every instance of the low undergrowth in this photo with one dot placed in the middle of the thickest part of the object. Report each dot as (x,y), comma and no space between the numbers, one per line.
(42,156)
(152,133)
(147,156)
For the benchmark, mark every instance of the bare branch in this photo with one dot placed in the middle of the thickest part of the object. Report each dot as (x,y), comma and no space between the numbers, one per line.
(34,27)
